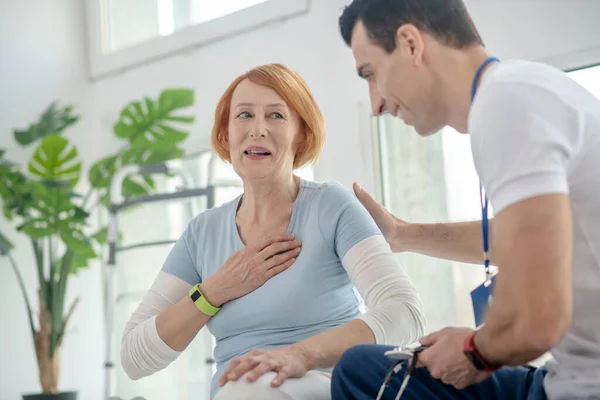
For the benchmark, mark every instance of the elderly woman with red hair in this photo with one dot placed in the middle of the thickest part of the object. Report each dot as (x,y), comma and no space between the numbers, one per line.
(272,273)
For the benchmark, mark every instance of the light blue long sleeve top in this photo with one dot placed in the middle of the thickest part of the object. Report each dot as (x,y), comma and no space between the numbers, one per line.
(313,296)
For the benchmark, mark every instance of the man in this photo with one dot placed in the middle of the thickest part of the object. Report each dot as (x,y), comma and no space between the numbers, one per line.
(535,137)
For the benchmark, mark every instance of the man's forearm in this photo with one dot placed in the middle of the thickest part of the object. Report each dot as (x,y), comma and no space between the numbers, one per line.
(457,241)
(506,342)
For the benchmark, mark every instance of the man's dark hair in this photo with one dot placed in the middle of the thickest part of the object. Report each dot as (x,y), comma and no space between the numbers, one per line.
(446,20)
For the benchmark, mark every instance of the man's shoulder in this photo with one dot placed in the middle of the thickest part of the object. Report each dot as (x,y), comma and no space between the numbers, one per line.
(528,84)
(522,71)
(520,90)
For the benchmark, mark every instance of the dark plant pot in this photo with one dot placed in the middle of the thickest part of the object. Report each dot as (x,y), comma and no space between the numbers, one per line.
(58,396)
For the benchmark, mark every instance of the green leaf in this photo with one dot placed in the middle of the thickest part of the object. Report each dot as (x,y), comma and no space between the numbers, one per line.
(50,207)
(14,191)
(53,120)
(37,228)
(52,160)
(80,259)
(5,245)
(147,123)
(73,237)
(101,236)
(172,99)
(80,214)
(102,172)
(131,188)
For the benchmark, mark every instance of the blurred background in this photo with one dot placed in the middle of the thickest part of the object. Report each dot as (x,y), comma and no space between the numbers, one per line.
(99,71)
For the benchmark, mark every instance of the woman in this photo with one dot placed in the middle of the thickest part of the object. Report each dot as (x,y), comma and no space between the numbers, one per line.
(272,273)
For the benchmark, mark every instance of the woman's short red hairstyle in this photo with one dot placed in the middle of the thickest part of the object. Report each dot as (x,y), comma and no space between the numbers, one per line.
(295,92)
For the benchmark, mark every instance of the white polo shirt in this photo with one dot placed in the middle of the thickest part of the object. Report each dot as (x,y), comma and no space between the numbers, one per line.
(536,131)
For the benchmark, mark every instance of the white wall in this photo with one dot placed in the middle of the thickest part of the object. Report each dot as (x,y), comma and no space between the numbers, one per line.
(41,58)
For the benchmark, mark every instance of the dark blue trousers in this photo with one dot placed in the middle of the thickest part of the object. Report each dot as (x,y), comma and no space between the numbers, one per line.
(360,372)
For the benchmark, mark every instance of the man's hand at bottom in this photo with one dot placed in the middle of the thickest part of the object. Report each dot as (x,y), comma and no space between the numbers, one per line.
(445,360)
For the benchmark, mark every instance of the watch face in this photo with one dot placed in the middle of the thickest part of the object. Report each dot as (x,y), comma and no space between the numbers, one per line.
(195,296)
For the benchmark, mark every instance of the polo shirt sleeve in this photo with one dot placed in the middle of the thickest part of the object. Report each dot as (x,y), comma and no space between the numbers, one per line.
(522,141)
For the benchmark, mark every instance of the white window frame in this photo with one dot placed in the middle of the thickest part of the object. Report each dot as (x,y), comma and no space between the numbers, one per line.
(102,65)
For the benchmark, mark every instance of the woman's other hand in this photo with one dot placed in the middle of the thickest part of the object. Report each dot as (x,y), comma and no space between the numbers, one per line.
(287,362)
(248,269)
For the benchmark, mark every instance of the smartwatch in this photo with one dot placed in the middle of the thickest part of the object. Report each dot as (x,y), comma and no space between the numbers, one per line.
(201,302)
(478,361)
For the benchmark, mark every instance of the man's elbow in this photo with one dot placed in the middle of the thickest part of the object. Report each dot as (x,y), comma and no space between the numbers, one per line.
(544,330)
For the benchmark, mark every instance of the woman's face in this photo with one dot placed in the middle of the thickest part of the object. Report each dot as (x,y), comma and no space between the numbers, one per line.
(264,133)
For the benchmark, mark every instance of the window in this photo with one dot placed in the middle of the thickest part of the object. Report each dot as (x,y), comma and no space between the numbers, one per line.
(589,78)
(128,33)
(433,179)
(129,22)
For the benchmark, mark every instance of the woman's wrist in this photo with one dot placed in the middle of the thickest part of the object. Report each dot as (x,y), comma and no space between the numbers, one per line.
(212,294)
(312,358)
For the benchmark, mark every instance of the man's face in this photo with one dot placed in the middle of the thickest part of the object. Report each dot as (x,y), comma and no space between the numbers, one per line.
(399,82)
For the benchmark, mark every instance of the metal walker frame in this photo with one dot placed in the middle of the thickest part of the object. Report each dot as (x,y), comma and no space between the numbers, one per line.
(118,203)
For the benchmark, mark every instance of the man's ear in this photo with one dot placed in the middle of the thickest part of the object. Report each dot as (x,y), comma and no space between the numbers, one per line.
(409,40)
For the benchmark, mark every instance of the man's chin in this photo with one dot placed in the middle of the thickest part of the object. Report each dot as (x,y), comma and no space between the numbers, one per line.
(425,131)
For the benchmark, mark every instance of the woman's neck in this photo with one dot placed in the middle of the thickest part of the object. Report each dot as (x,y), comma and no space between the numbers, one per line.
(265,202)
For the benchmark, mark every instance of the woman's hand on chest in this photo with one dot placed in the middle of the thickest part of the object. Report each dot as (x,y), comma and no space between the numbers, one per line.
(248,269)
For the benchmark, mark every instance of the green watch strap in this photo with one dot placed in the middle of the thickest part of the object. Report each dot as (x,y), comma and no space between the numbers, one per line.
(201,302)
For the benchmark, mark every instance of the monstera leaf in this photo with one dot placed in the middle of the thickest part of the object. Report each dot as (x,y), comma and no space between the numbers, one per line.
(14,191)
(148,124)
(53,120)
(151,128)
(49,208)
(54,161)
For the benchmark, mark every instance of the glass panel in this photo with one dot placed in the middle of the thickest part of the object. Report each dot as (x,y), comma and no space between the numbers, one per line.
(130,22)
(413,187)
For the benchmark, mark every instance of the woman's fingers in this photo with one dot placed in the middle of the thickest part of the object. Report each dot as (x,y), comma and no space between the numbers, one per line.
(245,365)
(232,365)
(281,377)
(282,258)
(278,248)
(271,272)
(270,240)
(261,369)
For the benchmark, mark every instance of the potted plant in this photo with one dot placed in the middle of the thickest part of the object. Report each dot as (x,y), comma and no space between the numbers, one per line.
(44,202)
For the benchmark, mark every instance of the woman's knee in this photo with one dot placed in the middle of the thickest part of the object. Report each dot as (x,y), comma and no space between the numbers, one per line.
(260,389)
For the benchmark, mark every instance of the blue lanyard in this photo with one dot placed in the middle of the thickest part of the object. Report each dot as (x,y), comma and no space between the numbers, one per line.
(483,198)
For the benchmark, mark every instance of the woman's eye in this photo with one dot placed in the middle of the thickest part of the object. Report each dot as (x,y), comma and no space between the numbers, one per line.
(244,114)
(277,115)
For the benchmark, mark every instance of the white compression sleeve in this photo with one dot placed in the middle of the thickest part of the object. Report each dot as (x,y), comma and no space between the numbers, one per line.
(143,352)
(394,308)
